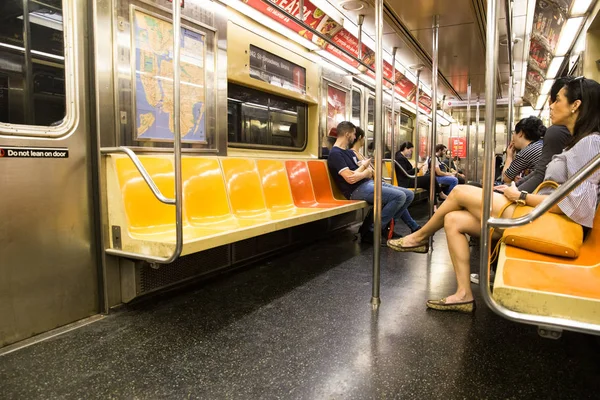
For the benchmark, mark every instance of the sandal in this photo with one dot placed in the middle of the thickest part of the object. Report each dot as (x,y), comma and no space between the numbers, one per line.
(396,244)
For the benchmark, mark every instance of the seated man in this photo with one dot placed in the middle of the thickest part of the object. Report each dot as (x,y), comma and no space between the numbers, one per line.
(442,176)
(526,139)
(354,179)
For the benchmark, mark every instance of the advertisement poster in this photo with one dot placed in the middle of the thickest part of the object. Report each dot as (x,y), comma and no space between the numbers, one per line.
(328,27)
(423,147)
(336,109)
(458,146)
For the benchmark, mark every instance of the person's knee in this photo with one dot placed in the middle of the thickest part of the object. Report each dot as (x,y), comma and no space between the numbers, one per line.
(410,196)
(452,221)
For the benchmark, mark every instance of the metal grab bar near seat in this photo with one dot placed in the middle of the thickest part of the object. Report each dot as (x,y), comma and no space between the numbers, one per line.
(490,121)
(178,201)
(140,167)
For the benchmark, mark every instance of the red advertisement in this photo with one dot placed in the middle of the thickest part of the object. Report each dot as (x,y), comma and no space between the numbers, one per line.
(458,146)
(336,109)
(322,23)
(423,153)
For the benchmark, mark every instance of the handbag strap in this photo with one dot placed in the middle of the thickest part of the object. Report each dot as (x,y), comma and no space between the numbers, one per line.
(496,250)
(545,184)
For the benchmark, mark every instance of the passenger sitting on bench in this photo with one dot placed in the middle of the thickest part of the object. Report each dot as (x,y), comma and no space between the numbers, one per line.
(442,175)
(402,157)
(354,179)
(576,107)
(527,140)
(454,164)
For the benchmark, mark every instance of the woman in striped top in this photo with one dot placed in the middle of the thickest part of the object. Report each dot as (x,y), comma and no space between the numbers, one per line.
(576,107)
(527,139)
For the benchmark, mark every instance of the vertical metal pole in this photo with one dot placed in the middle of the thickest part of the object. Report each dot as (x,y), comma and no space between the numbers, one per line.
(393,140)
(511,107)
(375,300)
(434,89)
(177,122)
(491,58)
(417,112)
(301,10)
(477,141)
(27,67)
(361,19)
(467,167)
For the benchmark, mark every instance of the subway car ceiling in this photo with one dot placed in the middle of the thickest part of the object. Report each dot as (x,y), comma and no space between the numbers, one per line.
(544,43)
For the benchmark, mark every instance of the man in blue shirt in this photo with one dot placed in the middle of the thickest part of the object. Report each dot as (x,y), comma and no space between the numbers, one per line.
(354,179)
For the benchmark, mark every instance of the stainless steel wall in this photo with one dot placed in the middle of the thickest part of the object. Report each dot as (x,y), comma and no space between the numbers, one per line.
(48,269)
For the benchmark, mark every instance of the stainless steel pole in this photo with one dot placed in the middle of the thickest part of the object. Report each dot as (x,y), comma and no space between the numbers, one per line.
(434,90)
(177,124)
(477,141)
(361,19)
(467,166)
(416,134)
(393,138)
(375,299)
(511,107)
(491,58)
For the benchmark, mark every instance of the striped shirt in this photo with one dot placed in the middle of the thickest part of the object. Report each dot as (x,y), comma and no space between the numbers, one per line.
(525,159)
(579,205)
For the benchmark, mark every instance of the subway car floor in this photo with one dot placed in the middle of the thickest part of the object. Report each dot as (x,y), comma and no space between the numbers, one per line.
(300,326)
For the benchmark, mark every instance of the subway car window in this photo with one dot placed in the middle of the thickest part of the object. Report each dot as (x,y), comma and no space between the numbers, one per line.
(259,119)
(356,107)
(32,74)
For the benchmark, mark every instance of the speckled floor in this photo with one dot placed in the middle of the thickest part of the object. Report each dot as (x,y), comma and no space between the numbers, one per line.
(301,327)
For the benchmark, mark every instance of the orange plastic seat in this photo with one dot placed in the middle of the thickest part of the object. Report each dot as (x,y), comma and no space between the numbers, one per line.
(388,168)
(302,187)
(204,194)
(553,286)
(276,188)
(145,213)
(244,188)
(322,183)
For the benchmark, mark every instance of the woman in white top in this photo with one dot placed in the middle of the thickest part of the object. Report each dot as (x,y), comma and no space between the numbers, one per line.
(576,107)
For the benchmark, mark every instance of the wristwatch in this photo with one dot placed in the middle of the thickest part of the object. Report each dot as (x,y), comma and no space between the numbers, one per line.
(521,201)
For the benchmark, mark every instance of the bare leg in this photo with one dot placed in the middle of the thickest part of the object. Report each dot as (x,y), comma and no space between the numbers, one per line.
(456,225)
(463,197)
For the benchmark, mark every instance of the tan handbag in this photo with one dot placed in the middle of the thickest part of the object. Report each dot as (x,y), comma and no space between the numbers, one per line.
(552,234)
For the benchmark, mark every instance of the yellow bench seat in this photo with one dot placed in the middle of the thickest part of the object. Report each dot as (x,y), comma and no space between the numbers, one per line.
(224,200)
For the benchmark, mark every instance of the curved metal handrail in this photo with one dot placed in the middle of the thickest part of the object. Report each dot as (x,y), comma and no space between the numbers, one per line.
(140,167)
(178,201)
(554,198)
(409,176)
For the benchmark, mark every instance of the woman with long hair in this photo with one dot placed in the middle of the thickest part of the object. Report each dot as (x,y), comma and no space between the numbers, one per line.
(576,107)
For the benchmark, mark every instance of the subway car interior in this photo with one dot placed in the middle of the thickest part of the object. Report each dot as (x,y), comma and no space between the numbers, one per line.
(299,199)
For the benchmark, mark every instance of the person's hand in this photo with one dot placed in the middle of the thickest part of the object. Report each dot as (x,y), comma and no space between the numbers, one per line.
(500,188)
(365,163)
(370,172)
(512,193)
(511,150)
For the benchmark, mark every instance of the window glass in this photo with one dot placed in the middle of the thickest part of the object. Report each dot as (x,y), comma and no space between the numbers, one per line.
(259,119)
(356,107)
(32,74)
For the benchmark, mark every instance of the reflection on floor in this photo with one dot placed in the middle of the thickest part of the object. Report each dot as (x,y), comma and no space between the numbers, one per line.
(301,326)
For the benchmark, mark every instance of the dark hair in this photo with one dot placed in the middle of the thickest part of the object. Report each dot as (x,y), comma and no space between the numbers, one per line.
(559,84)
(345,127)
(532,128)
(588,120)
(440,147)
(359,135)
(406,145)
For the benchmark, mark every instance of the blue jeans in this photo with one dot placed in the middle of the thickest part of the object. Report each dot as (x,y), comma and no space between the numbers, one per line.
(451,181)
(394,200)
